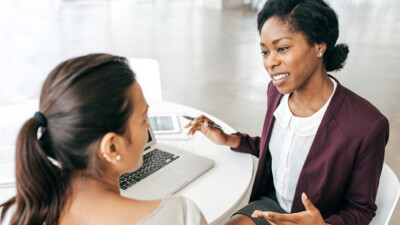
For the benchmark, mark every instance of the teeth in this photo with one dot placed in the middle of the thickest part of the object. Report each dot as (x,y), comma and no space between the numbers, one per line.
(280,76)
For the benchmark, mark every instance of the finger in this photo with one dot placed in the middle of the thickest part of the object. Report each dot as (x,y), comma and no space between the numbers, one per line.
(257,214)
(261,214)
(208,120)
(279,218)
(273,218)
(193,129)
(202,119)
(208,125)
(307,203)
(204,127)
(198,119)
(188,125)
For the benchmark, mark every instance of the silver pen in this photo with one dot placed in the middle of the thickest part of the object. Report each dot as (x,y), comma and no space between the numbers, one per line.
(201,122)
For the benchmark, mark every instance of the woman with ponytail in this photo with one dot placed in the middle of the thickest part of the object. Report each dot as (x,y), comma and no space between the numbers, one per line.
(91,127)
(322,146)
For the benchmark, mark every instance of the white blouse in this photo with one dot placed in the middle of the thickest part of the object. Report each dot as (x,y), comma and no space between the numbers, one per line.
(175,210)
(290,143)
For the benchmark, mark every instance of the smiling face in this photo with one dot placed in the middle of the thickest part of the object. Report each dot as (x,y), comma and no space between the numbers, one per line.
(289,59)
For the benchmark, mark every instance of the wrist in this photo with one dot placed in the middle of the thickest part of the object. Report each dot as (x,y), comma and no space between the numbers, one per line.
(232,141)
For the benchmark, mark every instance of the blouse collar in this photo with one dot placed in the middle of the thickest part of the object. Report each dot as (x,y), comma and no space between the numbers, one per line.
(303,126)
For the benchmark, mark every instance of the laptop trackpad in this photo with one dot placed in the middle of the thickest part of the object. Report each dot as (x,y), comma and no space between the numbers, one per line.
(171,178)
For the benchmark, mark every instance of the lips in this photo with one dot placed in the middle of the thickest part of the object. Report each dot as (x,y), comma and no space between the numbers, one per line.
(279,76)
(279,79)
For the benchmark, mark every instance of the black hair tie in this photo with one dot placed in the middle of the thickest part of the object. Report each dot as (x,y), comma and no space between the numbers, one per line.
(41,119)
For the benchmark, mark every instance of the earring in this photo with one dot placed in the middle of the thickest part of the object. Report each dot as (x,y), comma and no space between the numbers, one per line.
(320,54)
(118,157)
(105,155)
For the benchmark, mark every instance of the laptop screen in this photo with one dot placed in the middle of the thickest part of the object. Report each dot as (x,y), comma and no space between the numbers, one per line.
(151,139)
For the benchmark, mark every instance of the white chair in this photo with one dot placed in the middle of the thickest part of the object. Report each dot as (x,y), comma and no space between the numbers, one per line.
(387,197)
(148,75)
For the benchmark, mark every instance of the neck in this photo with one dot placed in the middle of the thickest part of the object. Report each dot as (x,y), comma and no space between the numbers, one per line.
(85,191)
(106,183)
(309,98)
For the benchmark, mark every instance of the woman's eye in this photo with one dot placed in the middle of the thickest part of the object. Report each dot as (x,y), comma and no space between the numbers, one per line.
(282,49)
(264,52)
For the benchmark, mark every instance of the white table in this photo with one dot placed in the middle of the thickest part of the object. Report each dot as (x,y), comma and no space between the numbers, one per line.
(218,193)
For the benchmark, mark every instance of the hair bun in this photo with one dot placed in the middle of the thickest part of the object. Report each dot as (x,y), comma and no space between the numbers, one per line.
(336,57)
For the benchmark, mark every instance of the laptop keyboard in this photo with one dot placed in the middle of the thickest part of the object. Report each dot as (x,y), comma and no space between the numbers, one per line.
(152,162)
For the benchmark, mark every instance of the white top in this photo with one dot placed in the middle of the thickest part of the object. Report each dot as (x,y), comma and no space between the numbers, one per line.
(290,143)
(175,210)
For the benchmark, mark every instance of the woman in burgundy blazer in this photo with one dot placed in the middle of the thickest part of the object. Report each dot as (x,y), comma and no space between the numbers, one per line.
(340,174)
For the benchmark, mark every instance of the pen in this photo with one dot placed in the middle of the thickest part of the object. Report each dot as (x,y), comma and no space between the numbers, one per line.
(201,122)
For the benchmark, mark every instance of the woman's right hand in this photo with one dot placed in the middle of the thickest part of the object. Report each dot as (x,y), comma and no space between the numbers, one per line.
(218,136)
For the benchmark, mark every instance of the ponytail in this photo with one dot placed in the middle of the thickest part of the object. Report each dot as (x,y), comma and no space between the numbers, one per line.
(40,186)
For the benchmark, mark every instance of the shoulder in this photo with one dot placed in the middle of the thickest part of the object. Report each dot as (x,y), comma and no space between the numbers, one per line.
(183,205)
(176,210)
(357,108)
(355,115)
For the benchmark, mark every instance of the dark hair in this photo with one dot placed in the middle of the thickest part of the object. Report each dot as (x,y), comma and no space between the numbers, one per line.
(82,99)
(316,20)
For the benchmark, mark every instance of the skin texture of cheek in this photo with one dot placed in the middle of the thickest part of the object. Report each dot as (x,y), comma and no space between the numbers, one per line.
(301,68)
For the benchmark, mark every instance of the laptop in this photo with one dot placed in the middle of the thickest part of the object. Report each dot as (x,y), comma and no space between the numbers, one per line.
(165,170)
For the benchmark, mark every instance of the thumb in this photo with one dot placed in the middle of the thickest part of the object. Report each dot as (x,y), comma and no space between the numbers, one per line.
(307,203)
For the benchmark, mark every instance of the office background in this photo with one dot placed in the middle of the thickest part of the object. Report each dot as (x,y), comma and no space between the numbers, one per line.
(209,58)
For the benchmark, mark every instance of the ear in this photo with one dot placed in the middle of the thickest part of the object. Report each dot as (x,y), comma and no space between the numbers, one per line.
(110,147)
(320,49)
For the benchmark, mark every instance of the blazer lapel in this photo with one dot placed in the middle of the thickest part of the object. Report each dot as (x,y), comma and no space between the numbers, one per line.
(273,102)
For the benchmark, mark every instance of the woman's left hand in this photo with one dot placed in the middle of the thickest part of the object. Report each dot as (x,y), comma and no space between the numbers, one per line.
(310,216)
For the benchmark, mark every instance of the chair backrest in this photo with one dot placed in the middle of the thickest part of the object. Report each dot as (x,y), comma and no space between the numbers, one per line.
(148,75)
(387,197)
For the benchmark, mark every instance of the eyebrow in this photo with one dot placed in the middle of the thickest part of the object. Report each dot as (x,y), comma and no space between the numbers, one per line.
(276,40)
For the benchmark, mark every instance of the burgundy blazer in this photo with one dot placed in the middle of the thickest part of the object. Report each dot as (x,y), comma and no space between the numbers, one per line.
(341,172)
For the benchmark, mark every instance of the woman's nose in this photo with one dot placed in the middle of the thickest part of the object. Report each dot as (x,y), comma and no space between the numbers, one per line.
(271,61)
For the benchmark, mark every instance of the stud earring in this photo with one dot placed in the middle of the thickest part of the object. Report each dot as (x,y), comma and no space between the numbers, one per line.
(118,157)
(320,54)
(105,155)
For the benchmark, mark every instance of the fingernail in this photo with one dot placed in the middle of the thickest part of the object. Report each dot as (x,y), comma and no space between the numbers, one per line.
(304,195)
(265,214)
(254,215)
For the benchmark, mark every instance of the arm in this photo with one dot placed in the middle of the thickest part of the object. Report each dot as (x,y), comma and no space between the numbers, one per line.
(237,142)
(360,196)
(247,144)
